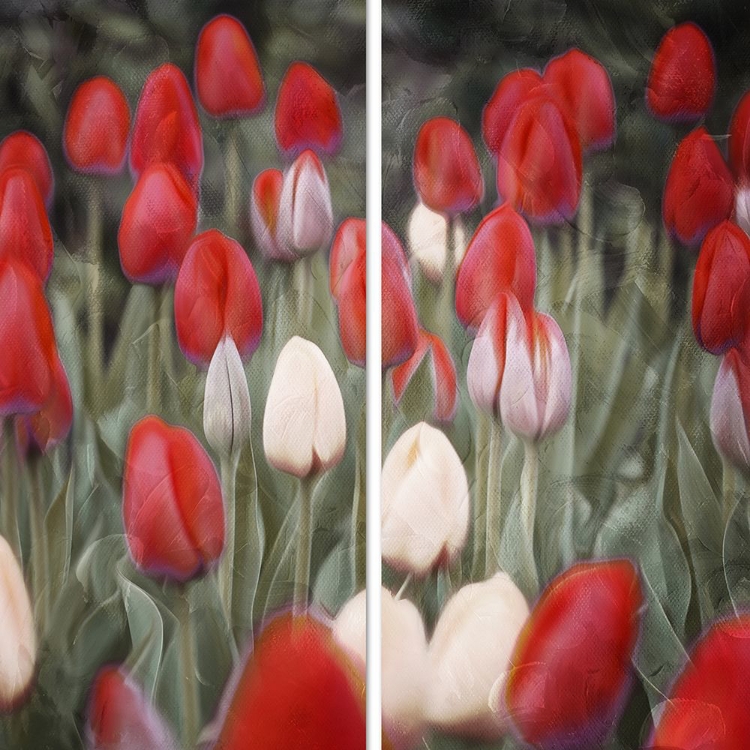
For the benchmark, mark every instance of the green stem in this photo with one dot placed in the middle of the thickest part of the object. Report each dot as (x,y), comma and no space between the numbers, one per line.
(233,167)
(304,546)
(729,483)
(387,408)
(94,300)
(153,394)
(444,304)
(494,515)
(444,586)
(39,555)
(10,489)
(190,697)
(226,566)
(358,558)
(480,495)
(166,307)
(254,544)
(529,489)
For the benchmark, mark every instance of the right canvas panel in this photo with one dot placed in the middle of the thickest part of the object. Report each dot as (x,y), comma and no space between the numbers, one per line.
(566,299)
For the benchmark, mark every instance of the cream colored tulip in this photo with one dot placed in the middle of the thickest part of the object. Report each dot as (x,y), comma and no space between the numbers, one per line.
(304,426)
(428,241)
(425,501)
(403,662)
(469,652)
(18,642)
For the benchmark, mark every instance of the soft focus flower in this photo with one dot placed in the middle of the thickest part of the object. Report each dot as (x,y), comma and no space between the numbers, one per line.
(536,383)
(682,81)
(429,241)
(539,163)
(226,403)
(97,125)
(584,90)
(27,341)
(571,666)
(172,506)
(730,407)
(120,716)
(304,426)
(469,652)
(739,142)
(307,113)
(158,221)
(699,191)
(707,706)
(403,661)
(721,288)
(227,72)
(24,150)
(44,429)
(217,294)
(166,127)
(349,244)
(265,204)
(424,502)
(18,648)
(442,375)
(500,258)
(447,175)
(297,691)
(25,233)
(305,222)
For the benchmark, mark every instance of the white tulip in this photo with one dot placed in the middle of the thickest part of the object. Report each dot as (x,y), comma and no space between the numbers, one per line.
(425,501)
(742,209)
(403,661)
(428,241)
(728,420)
(18,642)
(304,426)
(469,653)
(226,403)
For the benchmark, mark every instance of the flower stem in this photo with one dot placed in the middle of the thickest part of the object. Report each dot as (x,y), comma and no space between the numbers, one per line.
(447,288)
(226,567)
(10,489)
(729,481)
(529,489)
(359,512)
(190,697)
(233,170)
(493,516)
(39,556)
(480,496)
(304,283)
(153,394)
(304,546)
(94,301)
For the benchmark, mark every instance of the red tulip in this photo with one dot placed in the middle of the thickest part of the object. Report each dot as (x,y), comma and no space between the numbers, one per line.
(584,91)
(172,505)
(157,224)
(120,716)
(447,175)
(27,341)
(730,406)
(707,707)
(682,81)
(95,137)
(721,289)
(739,141)
(699,192)
(166,126)
(22,149)
(571,666)
(307,113)
(393,252)
(500,258)
(43,430)
(349,244)
(227,72)
(265,200)
(513,89)
(539,163)
(442,372)
(297,691)
(216,295)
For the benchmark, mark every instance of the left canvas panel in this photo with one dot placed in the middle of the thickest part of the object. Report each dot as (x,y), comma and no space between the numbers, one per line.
(182,385)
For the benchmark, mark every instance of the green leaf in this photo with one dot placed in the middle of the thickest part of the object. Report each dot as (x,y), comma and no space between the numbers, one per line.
(58,525)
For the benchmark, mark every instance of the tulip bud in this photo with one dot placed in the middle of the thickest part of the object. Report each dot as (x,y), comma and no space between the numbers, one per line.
(707,706)
(304,426)
(739,142)
(469,651)
(442,375)
(24,150)
(349,244)
(699,191)
(173,510)
(265,205)
(227,72)
(307,113)
(95,136)
(305,212)
(296,691)
(571,666)
(425,502)
(536,383)
(721,288)
(500,258)
(682,81)
(18,651)
(428,241)
(226,404)
(730,407)
(403,661)
(120,716)
(157,224)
